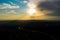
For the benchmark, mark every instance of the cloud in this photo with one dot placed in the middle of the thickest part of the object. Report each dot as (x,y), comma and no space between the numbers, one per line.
(5,6)
(11,11)
(51,6)
(25,1)
(35,2)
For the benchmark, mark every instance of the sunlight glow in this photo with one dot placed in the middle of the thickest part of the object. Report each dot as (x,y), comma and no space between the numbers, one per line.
(31,11)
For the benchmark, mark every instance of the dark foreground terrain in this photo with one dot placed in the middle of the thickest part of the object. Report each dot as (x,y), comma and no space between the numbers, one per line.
(29,30)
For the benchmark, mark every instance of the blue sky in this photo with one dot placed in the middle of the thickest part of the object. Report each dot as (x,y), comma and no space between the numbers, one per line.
(12,5)
(12,9)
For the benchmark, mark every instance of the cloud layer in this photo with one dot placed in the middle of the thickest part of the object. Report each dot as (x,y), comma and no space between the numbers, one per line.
(51,6)
(5,6)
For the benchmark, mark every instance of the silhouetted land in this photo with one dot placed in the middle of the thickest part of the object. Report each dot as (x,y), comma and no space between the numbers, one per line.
(9,28)
(12,24)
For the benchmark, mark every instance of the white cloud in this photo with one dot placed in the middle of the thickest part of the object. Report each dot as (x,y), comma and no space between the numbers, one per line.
(5,5)
(25,1)
(11,11)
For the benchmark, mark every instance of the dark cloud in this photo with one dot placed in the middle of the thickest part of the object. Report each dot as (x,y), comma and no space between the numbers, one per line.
(51,6)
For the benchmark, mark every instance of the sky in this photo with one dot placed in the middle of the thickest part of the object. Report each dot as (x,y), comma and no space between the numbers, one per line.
(29,9)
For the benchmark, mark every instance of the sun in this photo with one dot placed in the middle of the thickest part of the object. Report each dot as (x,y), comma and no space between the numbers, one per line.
(31,11)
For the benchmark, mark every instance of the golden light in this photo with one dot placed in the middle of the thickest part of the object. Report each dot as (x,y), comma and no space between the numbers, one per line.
(31,11)
(34,11)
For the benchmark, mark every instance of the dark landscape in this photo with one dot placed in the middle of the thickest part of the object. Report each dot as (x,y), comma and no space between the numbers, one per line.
(10,29)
